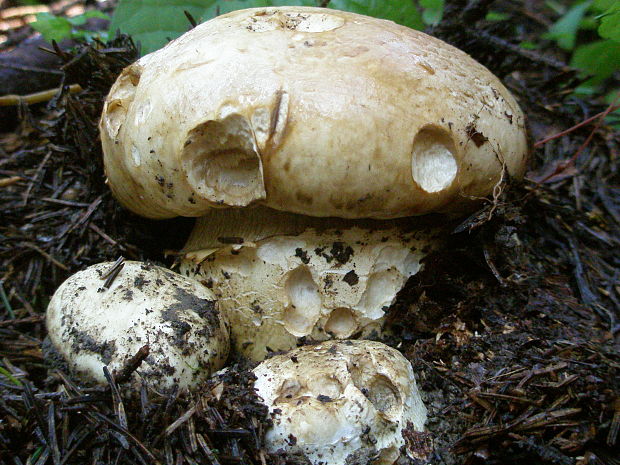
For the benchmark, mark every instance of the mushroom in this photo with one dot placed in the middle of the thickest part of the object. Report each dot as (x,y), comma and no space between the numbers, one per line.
(281,278)
(94,321)
(340,402)
(312,111)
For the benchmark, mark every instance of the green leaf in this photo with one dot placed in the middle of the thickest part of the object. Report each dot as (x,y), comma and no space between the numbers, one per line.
(564,31)
(432,11)
(155,22)
(9,376)
(589,23)
(610,23)
(598,59)
(497,16)
(400,11)
(556,6)
(602,5)
(81,19)
(527,45)
(58,28)
(52,27)
(613,118)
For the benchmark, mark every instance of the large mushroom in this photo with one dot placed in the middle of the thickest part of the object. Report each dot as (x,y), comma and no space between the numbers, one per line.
(306,114)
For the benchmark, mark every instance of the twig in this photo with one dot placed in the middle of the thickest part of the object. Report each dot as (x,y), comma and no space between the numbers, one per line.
(132,364)
(207,450)
(565,164)
(598,124)
(5,182)
(119,408)
(190,18)
(68,203)
(179,421)
(35,178)
(5,301)
(113,272)
(17,321)
(615,424)
(37,97)
(46,255)
(573,128)
(103,235)
(134,439)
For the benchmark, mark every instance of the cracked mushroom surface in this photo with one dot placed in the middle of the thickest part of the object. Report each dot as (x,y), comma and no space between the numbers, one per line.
(341,402)
(90,326)
(314,111)
(284,278)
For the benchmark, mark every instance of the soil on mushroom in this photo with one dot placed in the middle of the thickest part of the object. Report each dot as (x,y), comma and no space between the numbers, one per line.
(512,329)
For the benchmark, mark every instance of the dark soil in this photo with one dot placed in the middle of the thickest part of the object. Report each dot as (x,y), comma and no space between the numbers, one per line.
(513,329)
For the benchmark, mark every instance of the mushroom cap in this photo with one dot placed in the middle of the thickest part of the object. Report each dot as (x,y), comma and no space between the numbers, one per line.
(90,326)
(308,110)
(281,278)
(340,402)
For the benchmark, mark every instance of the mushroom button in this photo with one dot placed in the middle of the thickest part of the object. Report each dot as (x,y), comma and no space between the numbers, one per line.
(91,325)
(341,402)
(313,111)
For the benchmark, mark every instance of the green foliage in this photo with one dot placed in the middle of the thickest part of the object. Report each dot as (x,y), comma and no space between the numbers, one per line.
(610,23)
(496,16)
(8,375)
(528,45)
(154,22)
(58,28)
(564,32)
(432,11)
(52,27)
(598,59)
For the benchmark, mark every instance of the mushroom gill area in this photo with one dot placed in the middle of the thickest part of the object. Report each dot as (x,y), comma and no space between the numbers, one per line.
(304,299)
(284,278)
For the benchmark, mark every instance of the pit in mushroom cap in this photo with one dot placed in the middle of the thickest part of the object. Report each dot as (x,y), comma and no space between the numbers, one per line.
(282,278)
(340,402)
(90,326)
(281,105)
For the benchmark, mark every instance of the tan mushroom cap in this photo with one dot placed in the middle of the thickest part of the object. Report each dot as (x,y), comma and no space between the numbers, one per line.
(312,111)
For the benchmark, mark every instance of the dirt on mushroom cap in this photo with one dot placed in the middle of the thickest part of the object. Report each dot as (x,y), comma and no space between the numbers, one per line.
(91,325)
(341,402)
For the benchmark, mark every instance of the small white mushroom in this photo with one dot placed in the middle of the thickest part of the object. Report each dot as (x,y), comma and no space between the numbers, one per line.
(281,277)
(91,326)
(341,402)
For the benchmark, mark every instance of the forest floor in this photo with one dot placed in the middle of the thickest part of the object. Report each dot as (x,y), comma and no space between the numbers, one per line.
(513,329)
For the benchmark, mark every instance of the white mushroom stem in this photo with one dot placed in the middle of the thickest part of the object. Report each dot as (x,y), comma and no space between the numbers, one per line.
(90,325)
(341,402)
(281,277)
